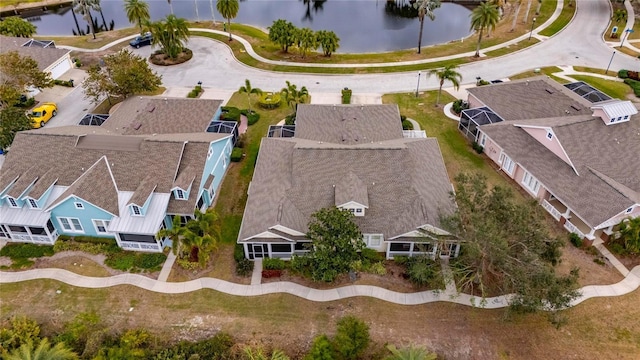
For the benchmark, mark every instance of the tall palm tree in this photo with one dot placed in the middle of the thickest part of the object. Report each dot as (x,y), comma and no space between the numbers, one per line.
(104,22)
(202,236)
(137,12)
(515,16)
(213,14)
(526,13)
(410,353)
(248,89)
(425,8)
(44,351)
(630,234)
(293,96)
(484,16)
(170,6)
(171,34)
(197,13)
(448,73)
(229,10)
(84,7)
(174,234)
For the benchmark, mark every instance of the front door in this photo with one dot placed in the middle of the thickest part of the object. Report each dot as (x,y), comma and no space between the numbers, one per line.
(260,251)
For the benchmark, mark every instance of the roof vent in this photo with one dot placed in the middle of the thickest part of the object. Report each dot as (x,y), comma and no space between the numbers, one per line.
(575,107)
(527,82)
(344,137)
(550,91)
(567,112)
(136,126)
(150,107)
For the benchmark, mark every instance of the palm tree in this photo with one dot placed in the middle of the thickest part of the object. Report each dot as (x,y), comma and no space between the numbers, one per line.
(258,354)
(43,351)
(174,234)
(328,40)
(197,13)
(171,34)
(201,236)
(83,7)
(485,16)
(630,234)
(170,6)
(104,22)
(619,16)
(425,7)
(448,73)
(515,16)
(247,89)
(229,10)
(526,13)
(293,96)
(137,12)
(410,353)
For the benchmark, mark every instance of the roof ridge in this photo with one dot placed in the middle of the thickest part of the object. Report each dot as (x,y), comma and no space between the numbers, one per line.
(615,185)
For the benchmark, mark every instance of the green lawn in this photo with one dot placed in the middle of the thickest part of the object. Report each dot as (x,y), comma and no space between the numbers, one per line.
(615,89)
(563,20)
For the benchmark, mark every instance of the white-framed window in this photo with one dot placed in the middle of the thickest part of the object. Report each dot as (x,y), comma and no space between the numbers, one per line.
(483,139)
(224,162)
(12,202)
(372,240)
(626,117)
(549,135)
(209,153)
(530,183)
(629,210)
(508,165)
(71,224)
(33,204)
(136,210)
(101,226)
(358,211)
(352,210)
(180,194)
(79,205)
(211,192)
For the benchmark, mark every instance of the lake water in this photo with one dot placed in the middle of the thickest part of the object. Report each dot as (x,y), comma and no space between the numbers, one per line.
(361,25)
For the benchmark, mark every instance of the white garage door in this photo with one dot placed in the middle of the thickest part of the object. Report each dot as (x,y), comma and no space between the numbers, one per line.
(60,67)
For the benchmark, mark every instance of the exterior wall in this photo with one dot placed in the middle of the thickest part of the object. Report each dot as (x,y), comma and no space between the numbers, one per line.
(60,67)
(474,102)
(602,115)
(216,165)
(552,144)
(492,150)
(67,209)
(43,199)
(518,175)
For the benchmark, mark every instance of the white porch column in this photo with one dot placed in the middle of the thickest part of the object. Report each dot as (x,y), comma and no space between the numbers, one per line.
(246,250)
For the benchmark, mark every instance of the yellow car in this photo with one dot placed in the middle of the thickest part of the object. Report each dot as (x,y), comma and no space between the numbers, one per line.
(43,113)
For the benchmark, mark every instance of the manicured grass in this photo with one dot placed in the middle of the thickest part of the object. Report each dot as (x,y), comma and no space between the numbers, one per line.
(87,41)
(543,71)
(615,89)
(589,70)
(628,51)
(509,49)
(563,20)
(4,3)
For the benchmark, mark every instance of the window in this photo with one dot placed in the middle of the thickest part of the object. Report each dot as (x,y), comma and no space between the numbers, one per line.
(373,240)
(209,153)
(79,205)
(352,210)
(281,248)
(224,162)
(12,202)
(50,227)
(619,118)
(33,204)
(404,247)
(483,139)
(211,193)
(302,246)
(200,203)
(549,135)
(70,224)
(137,238)
(532,184)
(612,120)
(37,230)
(136,210)
(508,165)
(180,194)
(358,210)
(17,229)
(629,210)
(626,117)
(101,226)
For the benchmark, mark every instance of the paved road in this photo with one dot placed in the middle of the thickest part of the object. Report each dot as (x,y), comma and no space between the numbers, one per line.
(580,44)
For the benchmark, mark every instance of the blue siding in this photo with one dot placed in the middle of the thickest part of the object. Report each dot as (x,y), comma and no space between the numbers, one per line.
(43,199)
(216,165)
(67,209)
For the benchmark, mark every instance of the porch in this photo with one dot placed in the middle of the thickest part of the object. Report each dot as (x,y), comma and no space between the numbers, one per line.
(46,235)
(414,248)
(285,251)
(572,222)
(554,207)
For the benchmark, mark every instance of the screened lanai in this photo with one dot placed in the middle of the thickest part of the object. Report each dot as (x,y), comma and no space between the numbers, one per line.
(472,118)
(587,92)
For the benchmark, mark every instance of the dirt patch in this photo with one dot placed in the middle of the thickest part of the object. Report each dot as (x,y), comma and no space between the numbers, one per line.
(161,59)
(221,266)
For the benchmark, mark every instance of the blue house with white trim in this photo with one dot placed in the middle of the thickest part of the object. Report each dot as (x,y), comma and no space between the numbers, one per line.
(125,179)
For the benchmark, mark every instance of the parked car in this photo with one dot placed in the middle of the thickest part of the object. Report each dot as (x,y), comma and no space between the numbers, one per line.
(142,40)
(43,113)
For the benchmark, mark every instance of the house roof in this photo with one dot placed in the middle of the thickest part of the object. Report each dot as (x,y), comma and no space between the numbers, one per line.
(407,185)
(608,179)
(144,190)
(348,124)
(351,188)
(44,56)
(191,168)
(140,115)
(533,98)
(616,108)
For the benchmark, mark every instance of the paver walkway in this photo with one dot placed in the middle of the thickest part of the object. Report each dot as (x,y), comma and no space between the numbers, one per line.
(166,268)
(630,283)
(256,276)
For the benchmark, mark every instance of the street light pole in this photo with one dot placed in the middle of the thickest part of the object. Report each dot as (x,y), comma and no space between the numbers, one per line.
(531,32)
(418,87)
(626,33)
(607,71)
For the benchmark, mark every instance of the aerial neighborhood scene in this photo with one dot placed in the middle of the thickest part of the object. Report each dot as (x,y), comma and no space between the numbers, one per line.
(319,179)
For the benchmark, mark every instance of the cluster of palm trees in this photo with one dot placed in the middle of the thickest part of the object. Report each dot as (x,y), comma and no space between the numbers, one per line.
(83,8)
(196,239)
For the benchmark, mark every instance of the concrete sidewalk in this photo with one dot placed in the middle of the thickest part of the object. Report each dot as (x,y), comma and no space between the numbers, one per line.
(630,283)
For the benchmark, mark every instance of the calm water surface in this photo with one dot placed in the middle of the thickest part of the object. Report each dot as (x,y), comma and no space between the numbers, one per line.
(361,25)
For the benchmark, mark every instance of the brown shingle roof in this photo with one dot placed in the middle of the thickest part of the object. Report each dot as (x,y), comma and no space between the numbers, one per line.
(532,98)
(153,115)
(351,188)
(348,124)
(191,167)
(45,57)
(142,193)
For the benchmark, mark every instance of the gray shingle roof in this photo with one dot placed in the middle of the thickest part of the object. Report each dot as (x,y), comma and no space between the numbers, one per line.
(45,57)
(348,124)
(351,188)
(533,98)
(191,167)
(407,184)
(594,148)
(140,115)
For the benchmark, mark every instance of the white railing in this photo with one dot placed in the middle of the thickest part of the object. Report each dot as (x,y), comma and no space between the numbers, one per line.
(574,229)
(552,210)
(31,238)
(414,134)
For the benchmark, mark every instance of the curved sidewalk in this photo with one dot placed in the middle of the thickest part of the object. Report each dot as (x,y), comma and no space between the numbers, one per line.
(630,283)
(253,54)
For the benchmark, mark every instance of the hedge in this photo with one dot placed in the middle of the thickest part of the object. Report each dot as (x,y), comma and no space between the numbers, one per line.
(269,100)
(252,117)
(63,83)
(407,125)
(635,85)
(628,74)
(346,96)
(236,154)
(26,251)
(230,113)
(273,264)
(195,92)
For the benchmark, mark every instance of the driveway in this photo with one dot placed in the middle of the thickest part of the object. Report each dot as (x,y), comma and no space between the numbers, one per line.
(71,102)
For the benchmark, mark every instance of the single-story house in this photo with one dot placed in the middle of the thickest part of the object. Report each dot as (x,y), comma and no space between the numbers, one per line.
(125,182)
(573,148)
(357,158)
(50,59)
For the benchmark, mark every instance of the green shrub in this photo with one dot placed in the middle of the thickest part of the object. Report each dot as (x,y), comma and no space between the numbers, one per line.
(290,119)
(122,260)
(371,255)
(403,117)
(273,264)
(244,267)
(422,270)
(459,105)
(407,125)
(269,100)
(300,264)
(238,252)
(598,261)
(63,83)
(90,248)
(26,251)
(477,147)
(401,260)
(252,117)
(352,338)
(635,85)
(215,348)
(623,73)
(149,261)
(346,96)
(192,94)
(230,113)
(482,82)
(236,154)
(21,263)
(242,140)
(377,268)
(321,349)
(188,265)
(26,104)
(576,240)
